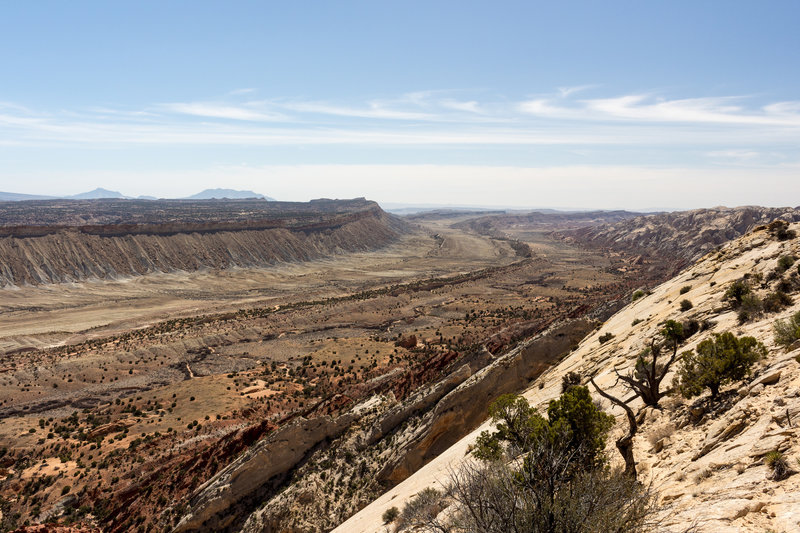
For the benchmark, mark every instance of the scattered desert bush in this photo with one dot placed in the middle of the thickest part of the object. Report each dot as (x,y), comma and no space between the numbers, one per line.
(421,511)
(604,338)
(660,432)
(749,308)
(636,321)
(787,285)
(785,262)
(496,498)
(778,465)
(736,292)
(686,305)
(703,474)
(639,293)
(780,230)
(718,361)
(685,289)
(787,331)
(561,483)
(569,380)
(776,301)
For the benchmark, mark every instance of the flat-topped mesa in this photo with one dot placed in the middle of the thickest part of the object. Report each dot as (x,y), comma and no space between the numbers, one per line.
(54,241)
(163,217)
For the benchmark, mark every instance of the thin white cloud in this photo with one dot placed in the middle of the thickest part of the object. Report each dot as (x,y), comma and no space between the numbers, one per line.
(740,155)
(374,110)
(649,109)
(565,92)
(422,118)
(223,111)
(471,106)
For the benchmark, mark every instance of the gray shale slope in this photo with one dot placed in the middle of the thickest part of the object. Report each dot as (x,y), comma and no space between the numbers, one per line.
(47,242)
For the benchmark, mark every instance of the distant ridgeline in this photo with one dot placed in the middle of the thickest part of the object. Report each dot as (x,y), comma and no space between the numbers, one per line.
(680,237)
(54,241)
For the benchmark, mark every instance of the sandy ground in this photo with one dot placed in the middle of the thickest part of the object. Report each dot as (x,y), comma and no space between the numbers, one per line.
(50,315)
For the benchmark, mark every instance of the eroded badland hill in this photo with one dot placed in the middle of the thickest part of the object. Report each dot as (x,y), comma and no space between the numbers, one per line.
(291,370)
(64,241)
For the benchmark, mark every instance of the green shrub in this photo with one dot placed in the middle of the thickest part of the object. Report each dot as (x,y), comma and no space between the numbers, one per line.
(685,289)
(390,515)
(787,331)
(639,293)
(573,421)
(780,230)
(749,308)
(718,361)
(561,485)
(785,285)
(569,380)
(576,416)
(686,305)
(736,292)
(778,465)
(785,262)
(605,337)
(776,301)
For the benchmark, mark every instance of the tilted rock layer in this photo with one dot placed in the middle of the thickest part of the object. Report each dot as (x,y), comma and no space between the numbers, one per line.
(706,460)
(682,235)
(191,238)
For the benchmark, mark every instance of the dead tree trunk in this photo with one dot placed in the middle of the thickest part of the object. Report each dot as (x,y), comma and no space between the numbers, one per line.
(625,443)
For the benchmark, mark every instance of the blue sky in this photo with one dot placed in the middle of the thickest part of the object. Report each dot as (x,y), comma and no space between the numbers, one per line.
(562,104)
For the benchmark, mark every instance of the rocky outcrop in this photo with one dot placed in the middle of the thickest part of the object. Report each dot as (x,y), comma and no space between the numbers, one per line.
(464,408)
(228,496)
(495,225)
(56,253)
(681,235)
(707,459)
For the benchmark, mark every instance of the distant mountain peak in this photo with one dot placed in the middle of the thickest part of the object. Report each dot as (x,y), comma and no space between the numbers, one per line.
(210,194)
(97,193)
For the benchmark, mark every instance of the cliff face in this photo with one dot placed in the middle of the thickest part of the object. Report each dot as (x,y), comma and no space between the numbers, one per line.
(682,236)
(61,248)
(705,459)
(498,224)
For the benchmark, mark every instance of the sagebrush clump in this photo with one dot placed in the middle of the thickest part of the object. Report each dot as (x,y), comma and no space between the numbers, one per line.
(390,515)
(787,331)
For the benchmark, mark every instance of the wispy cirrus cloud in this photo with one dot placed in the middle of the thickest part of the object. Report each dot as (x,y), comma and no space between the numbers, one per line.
(652,109)
(222,111)
(373,110)
(435,118)
(741,155)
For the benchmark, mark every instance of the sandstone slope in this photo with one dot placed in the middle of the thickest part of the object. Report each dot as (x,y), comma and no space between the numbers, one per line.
(705,460)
